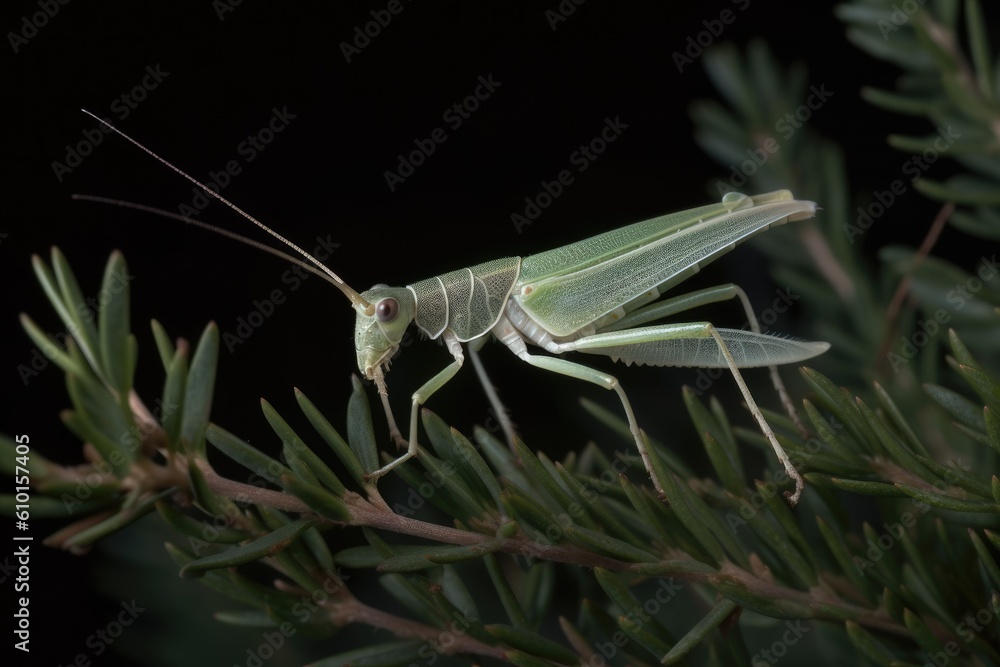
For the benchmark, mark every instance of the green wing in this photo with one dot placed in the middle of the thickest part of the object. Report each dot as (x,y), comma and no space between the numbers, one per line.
(569,287)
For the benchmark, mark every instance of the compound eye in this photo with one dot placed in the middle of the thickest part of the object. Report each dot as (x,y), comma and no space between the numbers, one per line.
(387,309)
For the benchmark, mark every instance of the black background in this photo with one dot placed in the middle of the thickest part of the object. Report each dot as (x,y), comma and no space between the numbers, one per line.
(323,176)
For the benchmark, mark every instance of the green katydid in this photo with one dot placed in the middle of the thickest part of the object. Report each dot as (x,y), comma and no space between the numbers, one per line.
(595,296)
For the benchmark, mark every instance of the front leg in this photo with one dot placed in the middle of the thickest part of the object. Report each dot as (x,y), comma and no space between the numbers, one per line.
(419,396)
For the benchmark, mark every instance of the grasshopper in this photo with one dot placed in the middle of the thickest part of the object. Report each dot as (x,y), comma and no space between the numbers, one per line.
(596,296)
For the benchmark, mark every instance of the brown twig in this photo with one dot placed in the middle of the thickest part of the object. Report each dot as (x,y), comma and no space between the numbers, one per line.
(896,305)
(247,493)
(826,262)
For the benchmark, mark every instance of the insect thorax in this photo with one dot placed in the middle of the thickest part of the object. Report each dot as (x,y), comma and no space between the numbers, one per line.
(468,301)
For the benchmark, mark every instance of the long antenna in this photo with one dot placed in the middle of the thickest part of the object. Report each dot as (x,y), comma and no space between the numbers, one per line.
(152,210)
(350,293)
